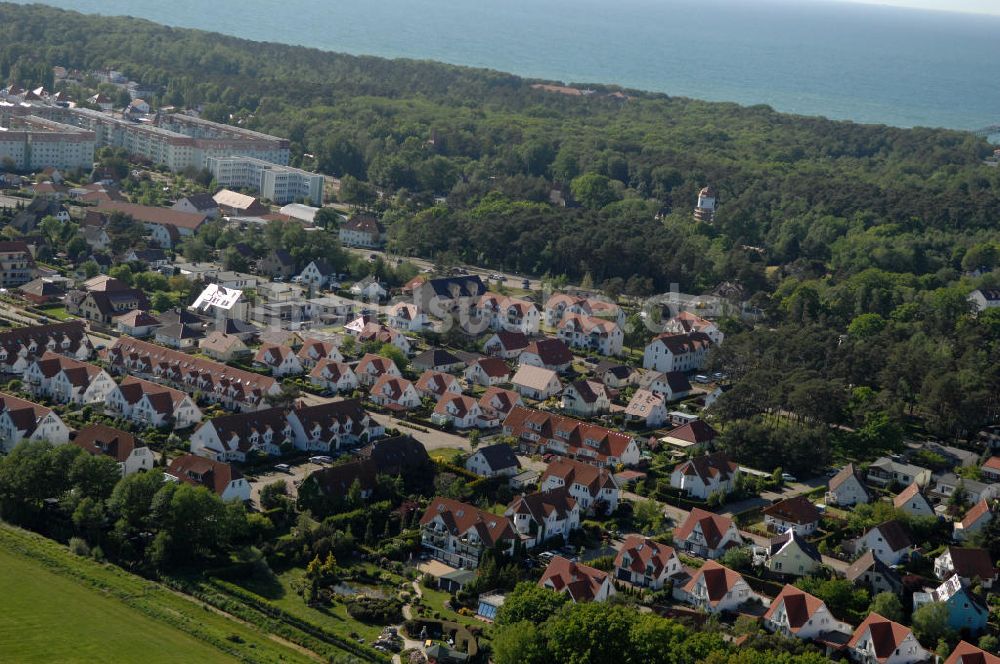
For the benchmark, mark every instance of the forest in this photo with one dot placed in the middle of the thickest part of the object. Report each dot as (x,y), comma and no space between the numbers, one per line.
(860,243)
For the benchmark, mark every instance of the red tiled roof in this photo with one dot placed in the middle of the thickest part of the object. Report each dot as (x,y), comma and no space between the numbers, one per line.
(718,580)
(459,518)
(799,605)
(573,433)
(970,563)
(697,432)
(797,510)
(713,526)
(200,471)
(102,439)
(570,472)
(966,653)
(886,635)
(644,552)
(154,215)
(552,352)
(580,582)
(975,513)
(709,466)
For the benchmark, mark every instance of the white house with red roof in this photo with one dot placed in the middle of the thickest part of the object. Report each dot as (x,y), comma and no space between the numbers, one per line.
(560,304)
(334,376)
(102,440)
(314,351)
(846,488)
(593,488)
(795,513)
(579,582)
(66,380)
(797,614)
(487,371)
(23,420)
(152,404)
(458,534)
(591,333)
(706,534)
(586,398)
(506,345)
(395,393)
(889,541)
(406,316)
(966,653)
(508,314)
(912,502)
(691,437)
(677,352)
(974,520)
(552,354)
(372,367)
(462,412)
(220,478)
(436,384)
(714,588)
(278,360)
(702,476)
(498,402)
(541,432)
(646,563)
(884,641)
(686,322)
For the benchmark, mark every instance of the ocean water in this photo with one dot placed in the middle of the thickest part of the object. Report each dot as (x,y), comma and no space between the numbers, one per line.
(845,61)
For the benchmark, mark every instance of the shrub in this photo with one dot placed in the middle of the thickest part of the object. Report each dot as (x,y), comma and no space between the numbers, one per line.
(79,546)
(375,610)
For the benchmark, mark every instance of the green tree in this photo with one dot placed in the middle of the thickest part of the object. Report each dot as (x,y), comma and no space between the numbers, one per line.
(887,605)
(930,623)
(531,603)
(594,191)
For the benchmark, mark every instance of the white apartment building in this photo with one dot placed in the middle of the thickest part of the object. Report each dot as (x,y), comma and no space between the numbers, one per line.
(281,184)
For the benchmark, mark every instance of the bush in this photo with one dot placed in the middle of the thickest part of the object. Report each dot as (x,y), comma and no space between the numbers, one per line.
(79,546)
(375,610)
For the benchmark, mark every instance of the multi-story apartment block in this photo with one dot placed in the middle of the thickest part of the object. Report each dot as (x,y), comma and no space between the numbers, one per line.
(33,143)
(281,184)
(17,267)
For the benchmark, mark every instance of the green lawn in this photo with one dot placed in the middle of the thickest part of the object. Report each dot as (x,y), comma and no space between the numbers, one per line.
(57,313)
(447,454)
(57,607)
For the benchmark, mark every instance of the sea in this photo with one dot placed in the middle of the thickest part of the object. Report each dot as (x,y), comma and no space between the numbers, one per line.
(866,63)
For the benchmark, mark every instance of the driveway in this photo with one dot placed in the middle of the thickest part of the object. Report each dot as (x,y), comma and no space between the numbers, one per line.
(292,479)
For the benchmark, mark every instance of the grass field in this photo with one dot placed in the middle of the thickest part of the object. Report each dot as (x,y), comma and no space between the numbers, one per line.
(58,607)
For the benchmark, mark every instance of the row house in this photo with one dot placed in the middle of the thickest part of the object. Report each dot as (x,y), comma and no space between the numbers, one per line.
(579,582)
(458,534)
(589,333)
(702,476)
(508,314)
(20,346)
(278,360)
(22,420)
(706,534)
(796,614)
(273,431)
(586,398)
(449,296)
(334,376)
(102,440)
(66,380)
(646,563)
(539,432)
(677,352)
(560,304)
(151,404)
(544,515)
(218,383)
(220,478)
(715,588)
(371,368)
(394,393)
(594,489)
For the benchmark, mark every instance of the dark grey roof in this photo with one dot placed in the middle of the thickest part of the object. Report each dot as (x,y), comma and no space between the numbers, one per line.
(202,202)
(464,286)
(435,357)
(807,548)
(499,456)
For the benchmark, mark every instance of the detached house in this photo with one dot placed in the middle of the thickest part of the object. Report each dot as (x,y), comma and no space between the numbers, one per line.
(647,407)
(318,274)
(971,565)
(913,502)
(434,385)
(560,304)
(369,289)
(593,488)
(462,412)
(220,478)
(691,437)
(706,534)
(974,520)
(493,461)
(966,653)
(223,347)
(586,398)
(458,534)
(438,359)
(672,385)
(65,380)
(796,613)
(361,230)
(550,354)
(314,351)
(23,420)
(966,611)
(406,316)
(579,582)
(151,404)
(677,352)
(796,514)
(277,263)
(846,488)
(536,383)
(497,402)
(702,476)
(394,393)
(879,640)
(889,541)
(871,573)
(646,563)
(715,588)
(887,471)
(137,323)
(278,360)
(372,367)
(334,376)
(544,515)
(791,555)
(506,345)
(487,371)
(101,440)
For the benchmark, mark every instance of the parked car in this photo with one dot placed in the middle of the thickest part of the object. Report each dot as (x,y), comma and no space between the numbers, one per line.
(787,477)
(283,467)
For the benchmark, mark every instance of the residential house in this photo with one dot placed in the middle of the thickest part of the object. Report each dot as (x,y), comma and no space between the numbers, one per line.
(497,402)
(946,485)
(153,258)
(42,290)
(235,204)
(371,332)
(971,565)
(461,412)
(224,347)
(278,360)
(394,393)
(791,555)
(361,230)
(796,614)
(218,383)
(137,323)
(646,563)
(335,425)
(577,581)
(369,289)
(889,541)
(447,296)
(21,345)
(314,351)
(551,354)
(966,653)
(487,371)
(493,461)
(372,367)
(105,306)
(706,534)
(102,440)
(506,345)
(278,263)
(694,436)
(985,298)
(912,502)
(181,336)
(686,322)
(318,274)
(501,313)
(703,476)
(536,383)
(672,386)
(594,489)
(437,359)
(560,304)
(201,204)
(991,469)
(871,573)
(152,404)
(233,437)
(165,226)
(591,333)
(846,488)
(615,374)
(974,520)
(544,515)
(586,398)
(434,385)
(879,640)
(646,407)
(220,302)
(796,514)
(458,534)
(539,432)
(406,316)
(66,380)
(220,478)
(715,588)
(334,376)
(887,471)
(677,352)
(966,611)
(22,420)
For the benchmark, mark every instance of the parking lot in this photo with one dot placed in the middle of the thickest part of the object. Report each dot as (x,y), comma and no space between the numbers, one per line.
(293,477)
